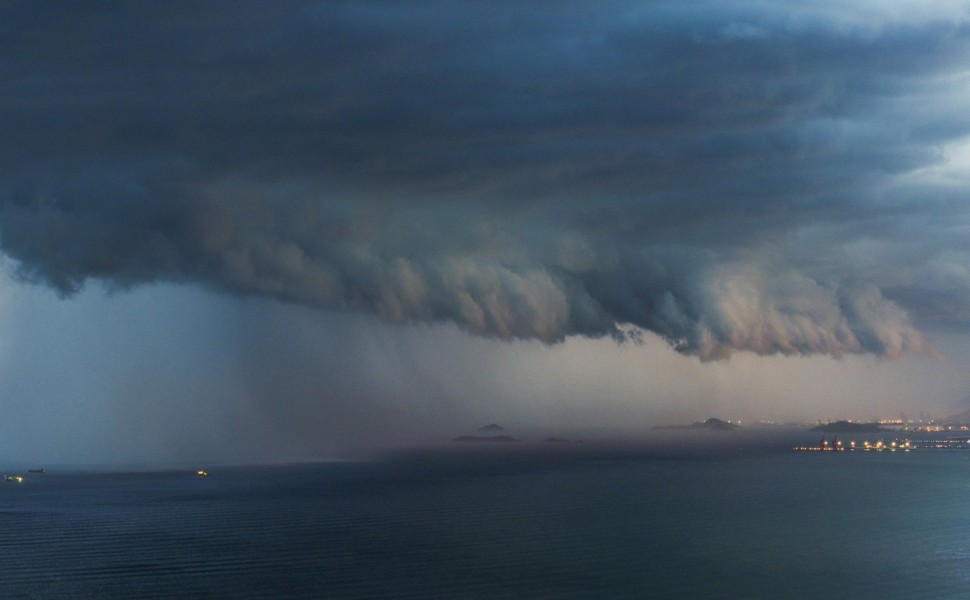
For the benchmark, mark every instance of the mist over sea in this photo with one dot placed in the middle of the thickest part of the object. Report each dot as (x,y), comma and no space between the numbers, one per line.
(682,514)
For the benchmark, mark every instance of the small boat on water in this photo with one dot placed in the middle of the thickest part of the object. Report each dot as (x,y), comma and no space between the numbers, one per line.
(36,470)
(13,478)
(202,473)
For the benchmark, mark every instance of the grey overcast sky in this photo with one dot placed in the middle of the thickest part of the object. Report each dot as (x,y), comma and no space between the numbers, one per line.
(270,229)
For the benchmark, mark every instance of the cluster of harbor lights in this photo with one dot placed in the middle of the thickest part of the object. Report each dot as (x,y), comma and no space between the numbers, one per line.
(836,445)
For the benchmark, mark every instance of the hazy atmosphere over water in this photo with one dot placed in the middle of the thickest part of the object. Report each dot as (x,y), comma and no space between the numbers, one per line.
(270,230)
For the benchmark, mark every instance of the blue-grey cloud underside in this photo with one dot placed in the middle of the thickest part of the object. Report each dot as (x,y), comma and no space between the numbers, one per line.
(732,176)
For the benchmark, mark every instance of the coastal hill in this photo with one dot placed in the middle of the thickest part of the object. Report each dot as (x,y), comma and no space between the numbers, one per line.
(491,427)
(711,424)
(848,427)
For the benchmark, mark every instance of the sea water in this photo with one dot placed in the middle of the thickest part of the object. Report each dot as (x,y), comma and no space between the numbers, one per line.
(533,521)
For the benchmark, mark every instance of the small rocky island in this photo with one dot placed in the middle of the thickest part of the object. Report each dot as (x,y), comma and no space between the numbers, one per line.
(711,424)
(490,428)
(495,428)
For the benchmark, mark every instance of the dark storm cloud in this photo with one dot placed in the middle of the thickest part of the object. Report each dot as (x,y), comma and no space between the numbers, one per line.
(730,176)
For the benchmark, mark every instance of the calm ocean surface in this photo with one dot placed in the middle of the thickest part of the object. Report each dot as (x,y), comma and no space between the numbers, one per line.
(581,521)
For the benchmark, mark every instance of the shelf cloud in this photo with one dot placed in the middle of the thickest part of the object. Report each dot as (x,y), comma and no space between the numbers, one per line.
(784,179)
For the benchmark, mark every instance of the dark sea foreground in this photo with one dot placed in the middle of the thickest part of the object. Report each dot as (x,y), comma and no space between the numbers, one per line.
(677,519)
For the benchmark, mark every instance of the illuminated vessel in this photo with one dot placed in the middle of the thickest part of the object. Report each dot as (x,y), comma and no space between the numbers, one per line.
(13,478)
